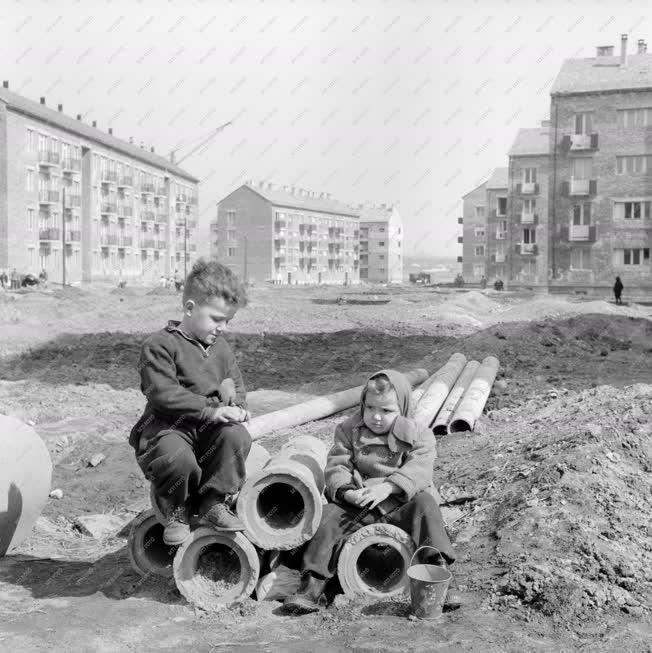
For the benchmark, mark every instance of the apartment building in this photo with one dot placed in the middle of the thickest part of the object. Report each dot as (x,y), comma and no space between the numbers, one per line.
(286,235)
(381,244)
(474,233)
(601,158)
(496,228)
(72,194)
(525,253)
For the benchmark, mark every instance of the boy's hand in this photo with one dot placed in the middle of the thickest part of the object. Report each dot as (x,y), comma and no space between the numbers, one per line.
(372,496)
(354,497)
(226,414)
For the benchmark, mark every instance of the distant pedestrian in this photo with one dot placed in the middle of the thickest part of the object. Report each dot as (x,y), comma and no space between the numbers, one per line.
(15,280)
(4,279)
(618,290)
(163,282)
(43,277)
(177,281)
(483,282)
(498,284)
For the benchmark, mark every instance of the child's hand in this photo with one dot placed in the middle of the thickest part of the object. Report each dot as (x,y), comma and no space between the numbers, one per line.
(372,496)
(354,497)
(226,414)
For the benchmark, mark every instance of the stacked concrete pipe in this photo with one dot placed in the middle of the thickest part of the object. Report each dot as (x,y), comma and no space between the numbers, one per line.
(474,399)
(374,561)
(281,505)
(440,425)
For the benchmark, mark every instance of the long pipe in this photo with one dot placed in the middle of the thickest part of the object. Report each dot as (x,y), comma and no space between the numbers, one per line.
(438,389)
(440,425)
(315,409)
(474,399)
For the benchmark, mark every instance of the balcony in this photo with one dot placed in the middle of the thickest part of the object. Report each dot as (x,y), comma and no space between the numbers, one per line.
(193,200)
(182,198)
(279,242)
(148,243)
(108,207)
(579,142)
(49,234)
(191,224)
(48,196)
(499,257)
(125,241)
(147,215)
(526,249)
(527,188)
(125,182)
(161,244)
(73,236)
(108,240)
(278,260)
(109,177)
(71,165)
(280,224)
(501,235)
(72,201)
(579,187)
(582,233)
(160,191)
(529,218)
(125,211)
(192,247)
(161,218)
(48,158)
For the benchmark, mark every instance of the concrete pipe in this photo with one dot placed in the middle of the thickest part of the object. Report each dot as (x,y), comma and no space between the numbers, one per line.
(256,460)
(147,551)
(437,391)
(213,569)
(473,400)
(315,409)
(374,561)
(25,476)
(281,506)
(440,425)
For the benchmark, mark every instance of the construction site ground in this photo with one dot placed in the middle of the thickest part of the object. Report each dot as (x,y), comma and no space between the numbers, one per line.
(548,500)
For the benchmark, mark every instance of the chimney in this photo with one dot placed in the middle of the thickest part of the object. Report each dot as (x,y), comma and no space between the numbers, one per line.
(79,116)
(111,130)
(60,107)
(604,51)
(623,49)
(94,123)
(5,83)
(42,100)
(642,46)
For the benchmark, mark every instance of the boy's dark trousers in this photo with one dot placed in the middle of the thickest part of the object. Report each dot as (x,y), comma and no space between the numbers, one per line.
(182,465)
(420,517)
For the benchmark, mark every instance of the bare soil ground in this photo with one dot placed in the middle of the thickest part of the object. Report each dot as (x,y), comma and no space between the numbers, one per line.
(550,495)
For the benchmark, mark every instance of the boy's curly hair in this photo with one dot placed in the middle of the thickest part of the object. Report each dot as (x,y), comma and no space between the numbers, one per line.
(209,278)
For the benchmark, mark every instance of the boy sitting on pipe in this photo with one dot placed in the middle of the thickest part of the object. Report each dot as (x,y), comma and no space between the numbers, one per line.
(190,441)
(378,471)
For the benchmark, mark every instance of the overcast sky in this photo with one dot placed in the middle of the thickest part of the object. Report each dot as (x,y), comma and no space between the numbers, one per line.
(396,101)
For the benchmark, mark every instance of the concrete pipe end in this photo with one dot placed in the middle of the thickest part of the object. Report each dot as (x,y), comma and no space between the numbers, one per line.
(374,562)
(440,429)
(148,553)
(281,507)
(215,569)
(459,426)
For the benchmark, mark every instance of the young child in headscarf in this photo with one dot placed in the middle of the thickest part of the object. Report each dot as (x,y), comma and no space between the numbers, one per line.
(378,470)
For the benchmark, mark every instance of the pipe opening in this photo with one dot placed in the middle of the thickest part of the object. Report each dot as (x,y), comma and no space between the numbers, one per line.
(459,425)
(381,567)
(280,505)
(218,565)
(440,429)
(158,554)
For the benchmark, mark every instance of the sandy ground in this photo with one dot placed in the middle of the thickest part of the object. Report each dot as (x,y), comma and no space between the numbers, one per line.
(553,536)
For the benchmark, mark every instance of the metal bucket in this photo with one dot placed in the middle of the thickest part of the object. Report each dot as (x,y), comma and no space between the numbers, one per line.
(428,588)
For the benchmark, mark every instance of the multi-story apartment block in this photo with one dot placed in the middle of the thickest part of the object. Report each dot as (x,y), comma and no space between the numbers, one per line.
(601,169)
(286,235)
(474,233)
(68,191)
(381,244)
(527,239)
(496,229)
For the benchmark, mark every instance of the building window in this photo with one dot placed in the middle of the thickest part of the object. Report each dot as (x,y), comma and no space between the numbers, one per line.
(31,140)
(230,251)
(529,236)
(29,183)
(479,250)
(529,175)
(632,256)
(582,214)
(633,210)
(479,232)
(529,206)
(230,218)
(382,230)
(581,168)
(30,219)
(479,211)
(580,258)
(230,234)
(381,257)
(31,257)
(502,206)
(583,123)
(632,165)
(635,117)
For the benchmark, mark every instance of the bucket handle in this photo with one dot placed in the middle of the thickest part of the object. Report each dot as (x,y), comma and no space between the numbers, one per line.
(425,546)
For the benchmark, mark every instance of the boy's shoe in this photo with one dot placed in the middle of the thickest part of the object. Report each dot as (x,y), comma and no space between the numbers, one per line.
(221,517)
(309,597)
(176,528)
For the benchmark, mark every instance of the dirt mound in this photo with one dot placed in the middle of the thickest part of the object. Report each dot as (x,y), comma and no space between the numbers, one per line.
(567,504)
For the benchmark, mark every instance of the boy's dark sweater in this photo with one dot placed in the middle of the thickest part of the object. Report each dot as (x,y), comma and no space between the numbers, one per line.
(180,377)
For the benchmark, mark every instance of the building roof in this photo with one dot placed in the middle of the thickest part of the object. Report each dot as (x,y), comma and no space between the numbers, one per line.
(376,213)
(62,121)
(530,141)
(480,186)
(594,74)
(286,199)
(498,178)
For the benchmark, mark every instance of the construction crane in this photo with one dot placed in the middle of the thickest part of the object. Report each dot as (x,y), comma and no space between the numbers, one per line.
(203,143)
